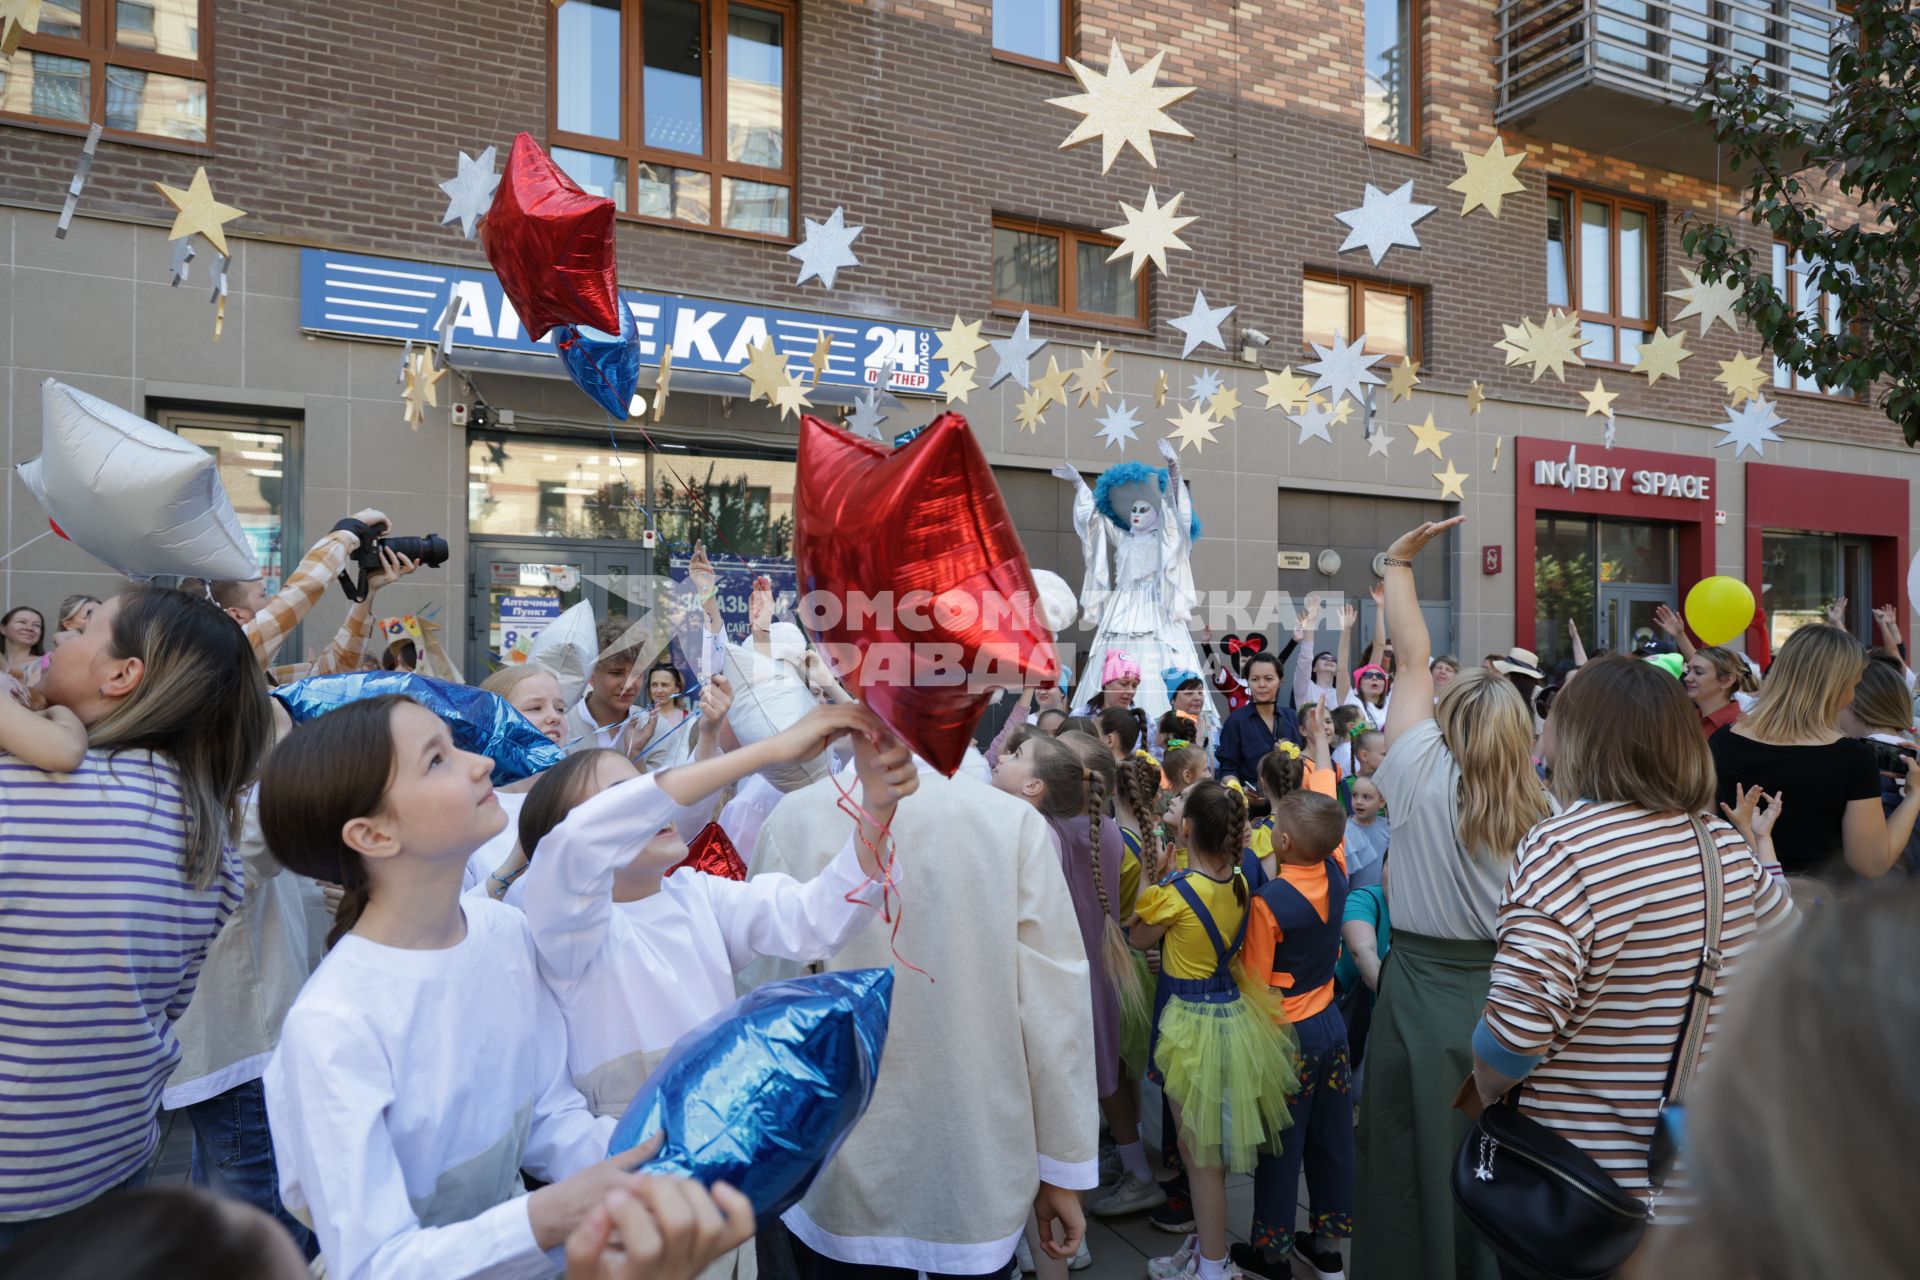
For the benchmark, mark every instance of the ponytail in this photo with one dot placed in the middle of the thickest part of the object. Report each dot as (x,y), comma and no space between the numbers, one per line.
(1098,774)
(1139,786)
(353,901)
(1221,827)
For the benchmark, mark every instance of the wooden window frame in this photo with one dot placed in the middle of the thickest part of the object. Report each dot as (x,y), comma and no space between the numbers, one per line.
(1058,66)
(1416,74)
(1791,293)
(97,49)
(1573,196)
(1357,288)
(628,147)
(1070,239)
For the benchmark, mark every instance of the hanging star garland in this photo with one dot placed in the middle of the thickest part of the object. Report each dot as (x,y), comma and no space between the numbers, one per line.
(470,190)
(1497,442)
(790,397)
(1750,427)
(1427,438)
(1599,400)
(1122,108)
(422,386)
(1475,397)
(1285,390)
(960,344)
(1342,411)
(1160,390)
(1149,232)
(1742,377)
(1201,326)
(1203,386)
(1015,351)
(1344,369)
(1708,302)
(866,417)
(1119,425)
(822,353)
(1193,428)
(1383,221)
(18,19)
(1314,420)
(826,248)
(1030,414)
(1052,385)
(1660,355)
(198,213)
(1378,443)
(1224,404)
(660,382)
(957,383)
(1091,378)
(1451,481)
(1488,178)
(1404,378)
(1550,346)
(765,371)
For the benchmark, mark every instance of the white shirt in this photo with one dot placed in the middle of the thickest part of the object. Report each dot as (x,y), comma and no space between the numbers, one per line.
(409,1090)
(584,735)
(633,977)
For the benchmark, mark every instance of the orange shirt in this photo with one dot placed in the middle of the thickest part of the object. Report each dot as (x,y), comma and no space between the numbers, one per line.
(1263,931)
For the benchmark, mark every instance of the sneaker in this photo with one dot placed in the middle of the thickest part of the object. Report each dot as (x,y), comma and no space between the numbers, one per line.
(1175,1221)
(1255,1265)
(1129,1195)
(1110,1167)
(1312,1262)
(1169,1267)
(1083,1259)
(1191,1271)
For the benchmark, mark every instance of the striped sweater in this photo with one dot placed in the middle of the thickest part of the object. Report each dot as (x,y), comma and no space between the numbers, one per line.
(103,941)
(1600,934)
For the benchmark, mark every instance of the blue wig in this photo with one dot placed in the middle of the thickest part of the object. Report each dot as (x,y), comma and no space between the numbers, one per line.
(1131,473)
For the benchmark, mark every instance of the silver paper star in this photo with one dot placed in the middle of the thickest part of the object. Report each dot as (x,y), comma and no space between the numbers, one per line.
(1201,325)
(470,191)
(1313,421)
(866,417)
(1118,425)
(1378,443)
(1607,441)
(1015,351)
(1383,221)
(1750,427)
(183,255)
(827,247)
(1344,369)
(1205,385)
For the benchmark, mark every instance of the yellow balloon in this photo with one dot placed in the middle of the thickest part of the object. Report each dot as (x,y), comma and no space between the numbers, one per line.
(1719,608)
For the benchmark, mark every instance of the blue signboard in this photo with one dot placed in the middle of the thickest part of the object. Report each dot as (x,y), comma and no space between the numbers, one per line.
(733,582)
(392,298)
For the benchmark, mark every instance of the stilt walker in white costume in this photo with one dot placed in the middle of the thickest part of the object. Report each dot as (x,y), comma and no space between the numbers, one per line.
(1141,600)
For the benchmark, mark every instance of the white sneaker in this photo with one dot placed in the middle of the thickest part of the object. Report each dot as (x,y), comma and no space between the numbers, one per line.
(1110,1166)
(1168,1267)
(1129,1195)
(1192,1270)
(1083,1259)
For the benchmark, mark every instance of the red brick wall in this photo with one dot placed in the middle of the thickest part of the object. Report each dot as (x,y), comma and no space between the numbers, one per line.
(333,122)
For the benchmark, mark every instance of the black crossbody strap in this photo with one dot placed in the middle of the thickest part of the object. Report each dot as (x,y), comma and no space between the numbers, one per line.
(1694,1034)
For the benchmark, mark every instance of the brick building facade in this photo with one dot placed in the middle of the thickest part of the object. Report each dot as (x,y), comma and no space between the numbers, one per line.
(332,123)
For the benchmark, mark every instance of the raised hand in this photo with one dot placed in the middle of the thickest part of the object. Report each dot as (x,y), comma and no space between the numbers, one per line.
(1067,473)
(1837,613)
(393,567)
(1669,621)
(1349,616)
(1409,544)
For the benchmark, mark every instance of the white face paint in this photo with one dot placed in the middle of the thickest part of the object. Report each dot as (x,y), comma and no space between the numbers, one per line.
(1143,516)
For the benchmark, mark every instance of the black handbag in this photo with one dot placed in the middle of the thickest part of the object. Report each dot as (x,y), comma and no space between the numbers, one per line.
(1548,1210)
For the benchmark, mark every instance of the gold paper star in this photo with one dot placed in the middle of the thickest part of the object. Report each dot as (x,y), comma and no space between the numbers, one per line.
(1285,390)
(1599,400)
(1091,378)
(1450,482)
(766,371)
(1742,377)
(1709,302)
(1052,385)
(1032,406)
(1489,176)
(1660,355)
(961,344)
(958,383)
(1193,427)
(1475,397)
(1225,404)
(790,398)
(1553,345)
(660,383)
(1497,442)
(17,18)
(422,387)
(822,352)
(1122,108)
(1404,378)
(1149,232)
(1427,438)
(198,213)
(1342,411)
(1160,391)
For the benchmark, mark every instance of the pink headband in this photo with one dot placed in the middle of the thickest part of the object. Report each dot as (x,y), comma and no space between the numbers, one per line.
(1372,669)
(1119,666)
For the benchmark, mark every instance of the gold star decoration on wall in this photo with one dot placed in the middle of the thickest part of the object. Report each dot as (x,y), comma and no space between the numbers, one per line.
(1285,390)
(765,371)
(18,18)
(1475,397)
(1742,377)
(1451,481)
(1122,108)
(957,383)
(1225,404)
(1660,356)
(961,344)
(790,397)
(1091,378)
(196,212)
(422,386)
(1149,231)
(1550,346)
(1193,428)
(822,353)
(1708,302)
(1599,400)
(1033,406)
(1404,378)
(1427,438)
(1160,390)
(1489,177)
(1052,385)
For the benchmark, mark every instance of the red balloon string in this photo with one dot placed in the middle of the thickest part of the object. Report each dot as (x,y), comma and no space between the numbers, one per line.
(883,853)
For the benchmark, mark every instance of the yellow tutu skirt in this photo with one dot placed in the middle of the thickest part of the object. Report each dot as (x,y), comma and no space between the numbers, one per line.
(1136,1022)
(1229,1068)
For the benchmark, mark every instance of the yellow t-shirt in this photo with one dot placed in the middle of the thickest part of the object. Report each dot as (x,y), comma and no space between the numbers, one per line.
(1129,870)
(1186,951)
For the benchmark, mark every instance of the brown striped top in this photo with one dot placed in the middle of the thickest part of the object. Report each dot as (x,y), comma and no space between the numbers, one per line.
(1600,934)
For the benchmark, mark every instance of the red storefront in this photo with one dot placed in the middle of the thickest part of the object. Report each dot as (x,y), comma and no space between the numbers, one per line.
(1817,536)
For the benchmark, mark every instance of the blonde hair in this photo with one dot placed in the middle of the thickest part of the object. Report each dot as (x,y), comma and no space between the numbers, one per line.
(1488,730)
(1881,700)
(1624,732)
(1099,773)
(1811,679)
(507,679)
(1727,667)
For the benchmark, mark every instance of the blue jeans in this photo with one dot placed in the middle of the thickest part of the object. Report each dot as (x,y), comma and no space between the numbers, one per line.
(233,1155)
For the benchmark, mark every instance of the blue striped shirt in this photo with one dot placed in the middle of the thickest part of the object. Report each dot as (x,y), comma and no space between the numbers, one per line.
(103,940)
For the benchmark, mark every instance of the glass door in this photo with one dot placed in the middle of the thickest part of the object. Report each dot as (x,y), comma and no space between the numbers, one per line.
(1626,616)
(515,591)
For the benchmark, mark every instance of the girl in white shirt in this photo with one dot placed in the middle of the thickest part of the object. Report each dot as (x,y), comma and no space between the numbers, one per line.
(423,1065)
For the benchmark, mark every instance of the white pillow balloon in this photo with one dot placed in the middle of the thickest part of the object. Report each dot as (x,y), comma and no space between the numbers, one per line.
(769,697)
(134,495)
(1058,605)
(568,647)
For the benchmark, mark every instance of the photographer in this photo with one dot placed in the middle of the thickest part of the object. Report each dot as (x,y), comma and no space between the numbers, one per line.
(1882,713)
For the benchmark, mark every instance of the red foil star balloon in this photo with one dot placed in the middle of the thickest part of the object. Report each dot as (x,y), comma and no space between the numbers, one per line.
(551,244)
(914,581)
(713,853)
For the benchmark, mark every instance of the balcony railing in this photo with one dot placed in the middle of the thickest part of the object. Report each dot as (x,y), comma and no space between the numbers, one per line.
(1623,76)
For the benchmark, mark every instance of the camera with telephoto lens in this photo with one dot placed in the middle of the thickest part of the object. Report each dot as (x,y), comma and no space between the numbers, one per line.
(1891,757)
(430,551)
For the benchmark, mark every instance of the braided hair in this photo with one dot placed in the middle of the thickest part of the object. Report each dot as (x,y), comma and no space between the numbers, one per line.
(1221,827)
(1139,788)
(1281,772)
(1100,774)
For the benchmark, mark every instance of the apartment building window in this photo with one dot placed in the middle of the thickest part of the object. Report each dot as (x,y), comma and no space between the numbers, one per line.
(1391,105)
(1388,314)
(1032,31)
(1790,278)
(1059,271)
(1600,265)
(141,70)
(679,111)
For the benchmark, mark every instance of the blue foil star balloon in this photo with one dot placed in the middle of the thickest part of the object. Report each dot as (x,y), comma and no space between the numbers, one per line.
(481,722)
(605,366)
(761,1095)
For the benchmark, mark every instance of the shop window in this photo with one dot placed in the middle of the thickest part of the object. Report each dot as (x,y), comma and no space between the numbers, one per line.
(1607,577)
(139,69)
(259,468)
(1032,31)
(1805,574)
(1059,271)
(1389,314)
(680,111)
(1790,278)
(1390,108)
(1600,266)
